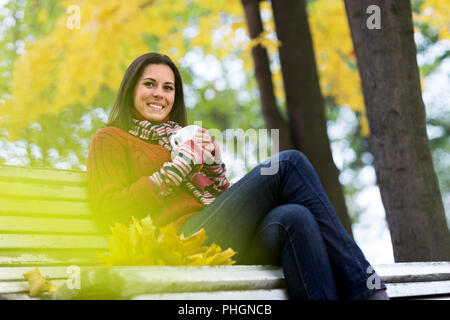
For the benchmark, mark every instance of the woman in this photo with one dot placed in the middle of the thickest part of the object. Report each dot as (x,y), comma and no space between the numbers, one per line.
(284,218)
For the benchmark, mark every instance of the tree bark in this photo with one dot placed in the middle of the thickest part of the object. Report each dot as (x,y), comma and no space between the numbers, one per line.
(305,103)
(271,114)
(398,139)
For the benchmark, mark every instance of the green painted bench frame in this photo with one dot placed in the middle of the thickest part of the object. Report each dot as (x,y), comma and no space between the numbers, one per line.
(46,222)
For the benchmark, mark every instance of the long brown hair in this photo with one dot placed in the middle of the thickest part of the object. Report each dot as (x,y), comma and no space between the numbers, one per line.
(120,115)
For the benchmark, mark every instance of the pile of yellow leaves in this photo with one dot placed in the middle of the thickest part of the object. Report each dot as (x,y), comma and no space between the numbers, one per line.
(142,243)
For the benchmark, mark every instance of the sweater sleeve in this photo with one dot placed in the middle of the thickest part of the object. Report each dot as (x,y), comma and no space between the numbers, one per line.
(113,196)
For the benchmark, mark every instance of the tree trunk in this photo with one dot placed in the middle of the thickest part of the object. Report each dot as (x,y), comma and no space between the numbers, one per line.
(398,139)
(272,117)
(304,100)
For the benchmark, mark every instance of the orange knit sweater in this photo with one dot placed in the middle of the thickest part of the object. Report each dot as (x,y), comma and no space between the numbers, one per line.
(118,168)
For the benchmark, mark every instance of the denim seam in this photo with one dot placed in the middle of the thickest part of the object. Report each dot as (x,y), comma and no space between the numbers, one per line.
(325,205)
(294,253)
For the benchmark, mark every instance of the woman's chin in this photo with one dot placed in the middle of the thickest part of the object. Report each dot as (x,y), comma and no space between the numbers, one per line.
(155,118)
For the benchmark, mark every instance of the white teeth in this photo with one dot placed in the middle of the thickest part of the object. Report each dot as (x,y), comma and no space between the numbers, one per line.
(155,106)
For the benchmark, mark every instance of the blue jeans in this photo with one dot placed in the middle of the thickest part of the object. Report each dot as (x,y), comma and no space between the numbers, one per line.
(287,219)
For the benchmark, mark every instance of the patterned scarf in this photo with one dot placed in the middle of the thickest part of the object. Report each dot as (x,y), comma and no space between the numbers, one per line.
(160,134)
(155,133)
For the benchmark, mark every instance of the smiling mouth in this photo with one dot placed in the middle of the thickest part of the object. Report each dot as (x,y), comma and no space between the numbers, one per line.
(155,106)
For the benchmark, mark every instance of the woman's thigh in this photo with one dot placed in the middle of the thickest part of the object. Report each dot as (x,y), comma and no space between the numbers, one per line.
(233,218)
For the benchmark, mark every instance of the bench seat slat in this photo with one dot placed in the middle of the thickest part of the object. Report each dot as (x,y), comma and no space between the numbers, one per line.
(42,191)
(67,177)
(443,297)
(411,289)
(215,282)
(40,258)
(144,280)
(158,274)
(17,296)
(39,207)
(13,224)
(414,271)
(37,241)
(16,273)
(271,294)
(171,274)
(21,286)
(131,281)
(412,268)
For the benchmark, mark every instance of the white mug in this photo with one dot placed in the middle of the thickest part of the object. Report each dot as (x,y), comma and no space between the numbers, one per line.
(181,136)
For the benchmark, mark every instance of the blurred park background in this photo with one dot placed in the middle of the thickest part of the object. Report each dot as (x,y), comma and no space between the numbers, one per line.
(61,63)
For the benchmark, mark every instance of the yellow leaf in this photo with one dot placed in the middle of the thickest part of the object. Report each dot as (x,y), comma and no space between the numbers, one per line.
(37,283)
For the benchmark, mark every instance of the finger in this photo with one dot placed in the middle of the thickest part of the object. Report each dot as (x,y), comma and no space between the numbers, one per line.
(202,134)
(209,158)
(203,138)
(209,147)
(203,131)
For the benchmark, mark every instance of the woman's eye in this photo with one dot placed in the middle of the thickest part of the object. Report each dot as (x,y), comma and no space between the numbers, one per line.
(148,84)
(169,88)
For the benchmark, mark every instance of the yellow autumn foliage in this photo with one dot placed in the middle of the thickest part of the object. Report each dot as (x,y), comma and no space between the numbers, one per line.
(142,243)
(71,66)
(335,56)
(435,13)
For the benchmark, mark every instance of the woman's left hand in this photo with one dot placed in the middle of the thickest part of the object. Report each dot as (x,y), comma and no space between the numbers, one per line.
(203,139)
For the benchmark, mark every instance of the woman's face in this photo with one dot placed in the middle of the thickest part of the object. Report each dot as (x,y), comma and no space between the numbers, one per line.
(154,93)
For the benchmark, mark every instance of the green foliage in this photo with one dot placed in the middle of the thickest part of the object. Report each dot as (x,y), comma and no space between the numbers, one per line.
(429,68)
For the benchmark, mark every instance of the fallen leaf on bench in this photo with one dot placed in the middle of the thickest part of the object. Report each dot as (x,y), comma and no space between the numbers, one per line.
(38,284)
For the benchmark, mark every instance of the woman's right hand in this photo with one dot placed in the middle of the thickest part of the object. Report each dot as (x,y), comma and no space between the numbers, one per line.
(204,140)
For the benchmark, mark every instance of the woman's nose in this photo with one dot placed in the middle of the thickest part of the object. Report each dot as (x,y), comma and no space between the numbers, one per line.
(157,92)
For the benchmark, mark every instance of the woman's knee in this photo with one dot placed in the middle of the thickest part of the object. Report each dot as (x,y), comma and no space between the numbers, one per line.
(292,216)
(295,156)
(279,225)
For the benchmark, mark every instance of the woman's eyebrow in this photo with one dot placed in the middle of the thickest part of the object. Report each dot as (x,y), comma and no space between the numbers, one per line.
(167,82)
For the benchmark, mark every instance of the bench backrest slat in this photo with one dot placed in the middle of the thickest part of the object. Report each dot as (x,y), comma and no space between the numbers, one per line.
(50,273)
(45,257)
(42,190)
(39,241)
(45,218)
(66,177)
(18,224)
(38,207)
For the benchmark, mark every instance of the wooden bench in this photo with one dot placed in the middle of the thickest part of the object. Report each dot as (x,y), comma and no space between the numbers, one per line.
(45,222)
